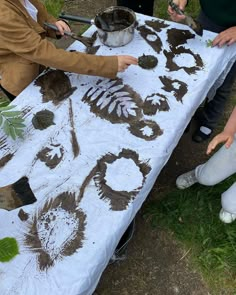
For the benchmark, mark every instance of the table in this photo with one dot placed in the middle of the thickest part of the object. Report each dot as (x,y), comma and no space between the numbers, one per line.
(92,170)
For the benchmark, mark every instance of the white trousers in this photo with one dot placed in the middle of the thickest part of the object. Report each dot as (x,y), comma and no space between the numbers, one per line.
(220,166)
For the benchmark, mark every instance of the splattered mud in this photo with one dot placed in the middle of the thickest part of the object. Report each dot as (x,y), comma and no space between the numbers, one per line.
(55,86)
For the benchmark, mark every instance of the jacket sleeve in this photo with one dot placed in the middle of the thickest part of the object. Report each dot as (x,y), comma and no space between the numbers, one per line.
(19,38)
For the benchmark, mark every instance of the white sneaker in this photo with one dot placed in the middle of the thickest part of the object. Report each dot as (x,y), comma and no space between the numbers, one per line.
(226,217)
(186,180)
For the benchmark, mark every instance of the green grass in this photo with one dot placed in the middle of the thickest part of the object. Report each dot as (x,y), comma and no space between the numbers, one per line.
(54,7)
(192,215)
(160,8)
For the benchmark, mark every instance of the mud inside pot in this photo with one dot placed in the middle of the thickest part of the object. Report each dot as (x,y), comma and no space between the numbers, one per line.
(116,20)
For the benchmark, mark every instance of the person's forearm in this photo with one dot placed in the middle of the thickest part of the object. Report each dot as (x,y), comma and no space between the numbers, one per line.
(230,126)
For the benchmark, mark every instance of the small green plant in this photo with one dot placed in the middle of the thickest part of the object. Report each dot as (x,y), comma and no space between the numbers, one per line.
(11,121)
(209,43)
(8,249)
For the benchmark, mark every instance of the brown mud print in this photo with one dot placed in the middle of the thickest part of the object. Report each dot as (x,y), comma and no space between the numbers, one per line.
(56,230)
(151,38)
(74,141)
(171,85)
(157,25)
(114,101)
(147,61)
(5,159)
(55,86)
(146,129)
(118,103)
(23,215)
(43,119)
(111,189)
(177,37)
(154,103)
(51,156)
(177,52)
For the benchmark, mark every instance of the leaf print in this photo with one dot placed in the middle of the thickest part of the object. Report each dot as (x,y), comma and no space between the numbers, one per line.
(114,101)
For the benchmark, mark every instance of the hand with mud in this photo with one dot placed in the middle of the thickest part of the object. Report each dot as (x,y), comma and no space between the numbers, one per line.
(227,37)
(173,14)
(62,27)
(226,136)
(124,61)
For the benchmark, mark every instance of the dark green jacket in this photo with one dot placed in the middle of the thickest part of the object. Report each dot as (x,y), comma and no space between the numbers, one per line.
(221,12)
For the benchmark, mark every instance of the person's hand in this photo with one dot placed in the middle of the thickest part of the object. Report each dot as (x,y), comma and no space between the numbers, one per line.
(62,27)
(225,137)
(124,61)
(175,16)
(227,37)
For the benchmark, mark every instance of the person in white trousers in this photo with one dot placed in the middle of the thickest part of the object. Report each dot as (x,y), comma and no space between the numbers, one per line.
(220,166)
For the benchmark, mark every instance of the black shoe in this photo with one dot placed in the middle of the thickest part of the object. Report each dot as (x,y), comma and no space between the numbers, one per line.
(200,136)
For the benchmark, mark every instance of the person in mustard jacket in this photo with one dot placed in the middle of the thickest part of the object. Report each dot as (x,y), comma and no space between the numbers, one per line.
(24,47)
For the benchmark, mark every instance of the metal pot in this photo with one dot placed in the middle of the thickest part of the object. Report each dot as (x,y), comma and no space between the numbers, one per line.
(115,25)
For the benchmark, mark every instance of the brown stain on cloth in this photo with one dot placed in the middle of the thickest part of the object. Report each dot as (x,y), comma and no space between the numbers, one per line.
(146,33)
(74,141)
(5,159)
(151,107)
(157,25)
(176,37)
(55,86)
(172,66)
(48,252)
(119,103)
(118,200)
(169,87)
(50,161)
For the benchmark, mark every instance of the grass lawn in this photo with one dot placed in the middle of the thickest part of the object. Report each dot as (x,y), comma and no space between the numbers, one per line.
(192,215)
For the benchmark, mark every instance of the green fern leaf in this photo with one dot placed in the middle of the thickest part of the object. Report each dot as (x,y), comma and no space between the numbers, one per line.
(6,107)
(11,114)
(12,132)
(19,132)
(11,121)
(1,120)
(6,127)
(8,249)
(17,120)
(4,103)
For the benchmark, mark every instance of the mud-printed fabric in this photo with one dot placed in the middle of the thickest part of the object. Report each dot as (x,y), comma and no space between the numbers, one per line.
(92,150)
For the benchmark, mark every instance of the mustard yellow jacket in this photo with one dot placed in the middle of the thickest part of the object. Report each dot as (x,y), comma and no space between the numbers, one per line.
(23,48)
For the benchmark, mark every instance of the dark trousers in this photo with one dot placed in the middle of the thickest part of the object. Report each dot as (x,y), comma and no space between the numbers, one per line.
(140,6)
(214,108)
(8,94)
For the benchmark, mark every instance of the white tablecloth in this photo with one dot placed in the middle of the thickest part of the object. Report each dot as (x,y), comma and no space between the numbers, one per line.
(126,130)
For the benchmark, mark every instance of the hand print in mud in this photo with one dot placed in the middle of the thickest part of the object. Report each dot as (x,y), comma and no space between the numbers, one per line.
(118,103)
